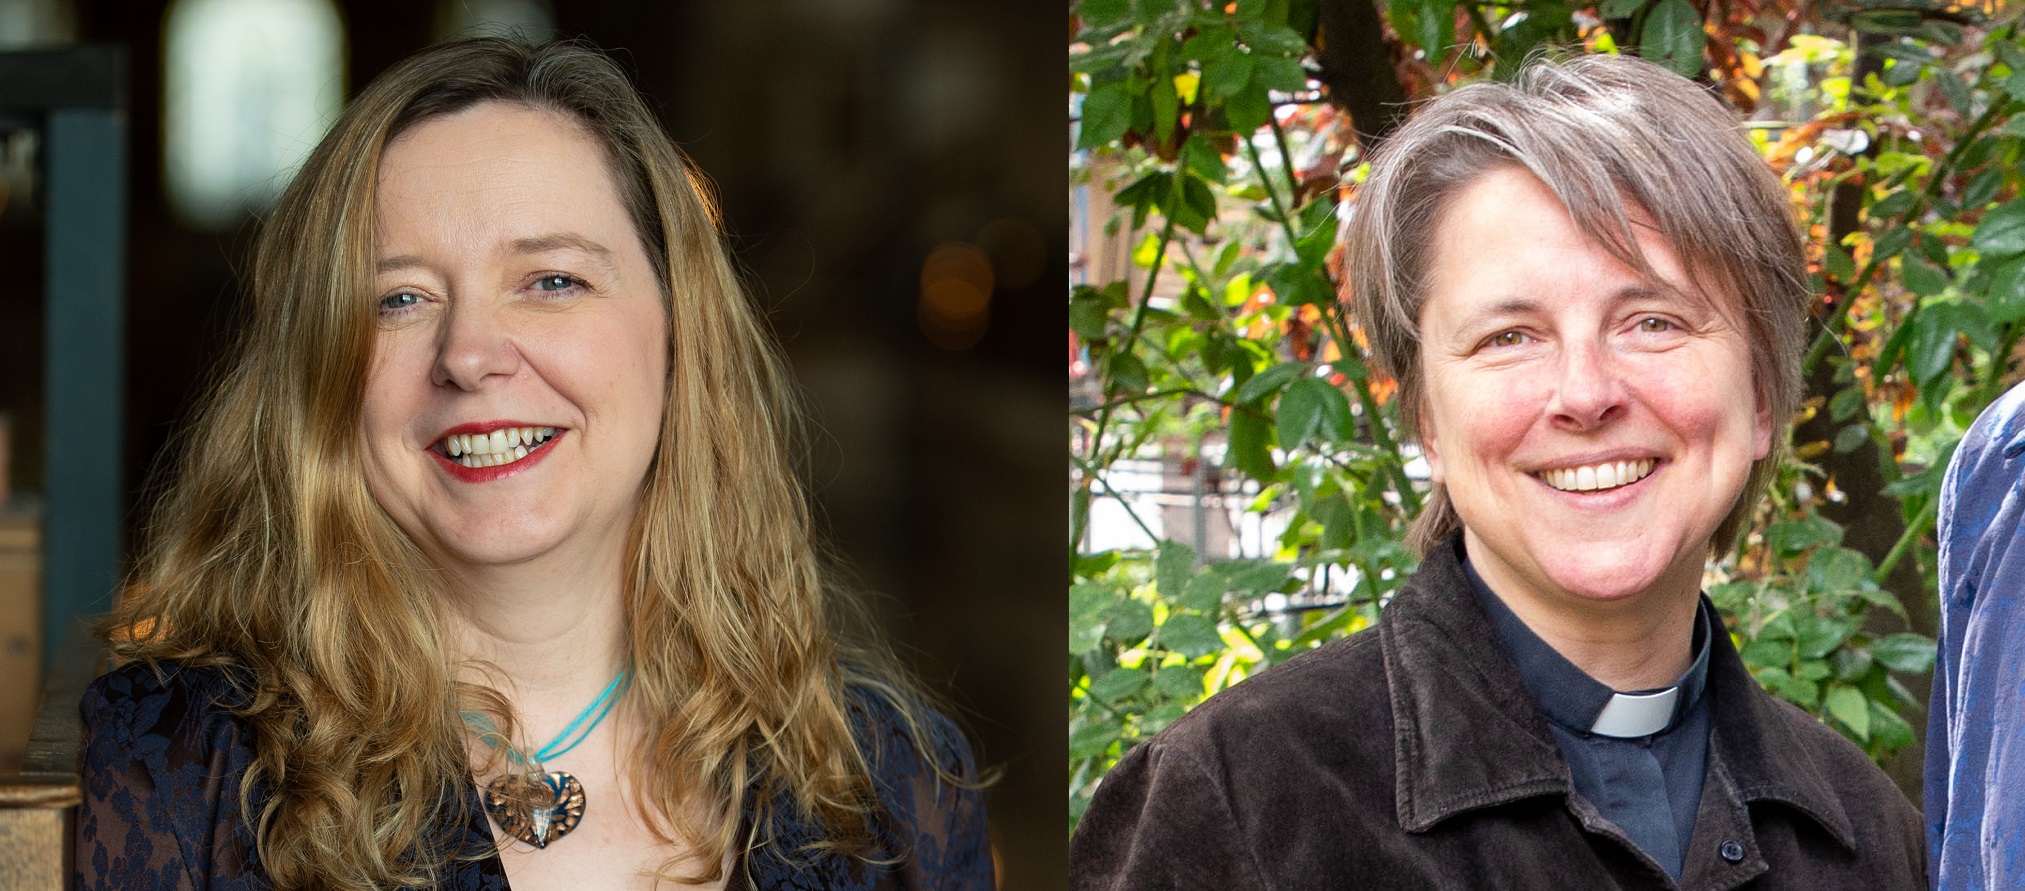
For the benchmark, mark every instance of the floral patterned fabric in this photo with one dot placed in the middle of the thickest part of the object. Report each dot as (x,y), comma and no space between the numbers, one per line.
(164,757)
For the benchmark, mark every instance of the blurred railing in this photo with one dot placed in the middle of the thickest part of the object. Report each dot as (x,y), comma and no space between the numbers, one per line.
(38,806)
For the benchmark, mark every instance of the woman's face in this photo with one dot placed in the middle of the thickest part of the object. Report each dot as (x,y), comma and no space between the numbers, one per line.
(515,303)
(1593,427)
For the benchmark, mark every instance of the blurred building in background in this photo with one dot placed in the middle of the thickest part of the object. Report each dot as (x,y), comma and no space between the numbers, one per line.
(889,173)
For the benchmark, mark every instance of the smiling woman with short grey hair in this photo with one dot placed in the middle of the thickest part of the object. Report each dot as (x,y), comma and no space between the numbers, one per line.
(1593,296)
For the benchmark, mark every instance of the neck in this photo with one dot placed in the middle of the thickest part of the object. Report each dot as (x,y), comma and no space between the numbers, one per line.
(547,638)
(1639,642)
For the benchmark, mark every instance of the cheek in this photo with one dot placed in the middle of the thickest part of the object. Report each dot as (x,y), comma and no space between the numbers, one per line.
(1476,419)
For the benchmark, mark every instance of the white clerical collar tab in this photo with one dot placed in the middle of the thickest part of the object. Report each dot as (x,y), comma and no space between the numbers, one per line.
(1632,715)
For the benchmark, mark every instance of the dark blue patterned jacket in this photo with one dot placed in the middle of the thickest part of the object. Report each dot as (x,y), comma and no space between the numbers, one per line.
(164,758)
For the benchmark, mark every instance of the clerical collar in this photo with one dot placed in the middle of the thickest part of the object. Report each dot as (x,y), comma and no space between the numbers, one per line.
(1571,698)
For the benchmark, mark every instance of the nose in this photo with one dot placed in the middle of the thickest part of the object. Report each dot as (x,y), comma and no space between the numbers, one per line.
(1589,391)
(472,346)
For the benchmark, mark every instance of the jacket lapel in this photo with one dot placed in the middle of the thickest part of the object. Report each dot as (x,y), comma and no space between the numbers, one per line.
(1469,732)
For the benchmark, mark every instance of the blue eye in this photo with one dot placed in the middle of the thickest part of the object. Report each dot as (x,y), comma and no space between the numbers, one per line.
(398,301)
(556,283)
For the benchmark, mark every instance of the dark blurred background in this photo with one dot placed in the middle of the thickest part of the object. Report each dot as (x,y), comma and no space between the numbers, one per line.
(891,175)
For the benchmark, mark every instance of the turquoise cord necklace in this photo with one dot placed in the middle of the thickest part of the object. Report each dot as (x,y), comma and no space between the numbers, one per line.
(534,804)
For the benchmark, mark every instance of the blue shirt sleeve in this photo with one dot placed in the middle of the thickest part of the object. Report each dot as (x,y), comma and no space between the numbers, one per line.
(1976,723)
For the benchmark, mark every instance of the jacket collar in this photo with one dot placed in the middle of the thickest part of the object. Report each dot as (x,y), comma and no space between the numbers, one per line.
(1470,735)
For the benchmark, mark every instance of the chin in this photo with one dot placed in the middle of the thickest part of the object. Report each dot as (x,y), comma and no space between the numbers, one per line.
(1608,582)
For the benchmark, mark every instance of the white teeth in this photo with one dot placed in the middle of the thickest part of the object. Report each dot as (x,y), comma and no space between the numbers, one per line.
(503,446)
(1597,477)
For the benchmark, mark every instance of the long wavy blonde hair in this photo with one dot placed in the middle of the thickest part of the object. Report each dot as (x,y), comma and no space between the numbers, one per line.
(266,552)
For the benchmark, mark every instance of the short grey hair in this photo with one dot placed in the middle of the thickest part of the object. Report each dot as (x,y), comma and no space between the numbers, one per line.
(1610,136)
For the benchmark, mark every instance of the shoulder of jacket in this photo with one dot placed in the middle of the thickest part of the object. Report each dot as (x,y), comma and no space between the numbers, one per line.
(1867,792)
(163,685)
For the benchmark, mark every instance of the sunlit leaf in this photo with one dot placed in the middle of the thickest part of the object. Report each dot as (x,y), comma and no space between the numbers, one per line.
(1849,706)
(1908,653)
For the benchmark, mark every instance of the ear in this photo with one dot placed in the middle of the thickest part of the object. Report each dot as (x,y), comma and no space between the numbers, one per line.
(1424,431)
(1762,429)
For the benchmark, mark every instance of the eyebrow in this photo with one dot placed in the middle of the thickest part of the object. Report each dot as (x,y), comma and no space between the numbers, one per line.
(538,244)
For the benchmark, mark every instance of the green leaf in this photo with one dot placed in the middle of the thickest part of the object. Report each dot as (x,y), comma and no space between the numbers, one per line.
(1116,685)
(1437,26)
(1107,114)
(1197,207)
(1204,593)
(1199,155)
(1839,263)
(1849,706)
(1127,373)
(1816,635)
(1101,13)
(1087,607)
(1673,37)
(1847,402)
(1921,277)
(1190,635)
(1251,444)
(1248,109)
(2004,295)
(1620,9)
(1931,350)
(1763,653)
(2002,232)
(1983,188)
(1130,621)
(1264,384)
(1890,205)
(1226,72)
(1166,107)
(1173,568)
(1302,407)
(1183,682)
(1852,437)
(1906,653)
(1890,242)
(1281,73)
(1087,316)
(1787,537)
(1278,40)
(1256,576)
(1837,569)
(1954,89)
(1888,731)
(1092,739)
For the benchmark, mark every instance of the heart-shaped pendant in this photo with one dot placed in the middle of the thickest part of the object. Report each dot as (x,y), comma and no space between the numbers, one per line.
(536,809)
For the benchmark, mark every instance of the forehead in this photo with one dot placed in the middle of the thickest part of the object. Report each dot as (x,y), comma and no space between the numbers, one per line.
(491,174)
(1506,219)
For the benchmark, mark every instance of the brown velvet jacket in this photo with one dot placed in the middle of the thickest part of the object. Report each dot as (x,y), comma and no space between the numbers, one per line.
(1412,756)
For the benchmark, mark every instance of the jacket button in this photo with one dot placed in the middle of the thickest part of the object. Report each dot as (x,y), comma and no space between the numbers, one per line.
(1732,852)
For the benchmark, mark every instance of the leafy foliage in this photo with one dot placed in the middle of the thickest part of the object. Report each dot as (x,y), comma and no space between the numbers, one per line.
(1225,353)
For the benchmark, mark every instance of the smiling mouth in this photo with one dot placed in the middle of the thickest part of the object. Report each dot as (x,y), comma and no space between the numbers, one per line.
(500,447)
(1598,477)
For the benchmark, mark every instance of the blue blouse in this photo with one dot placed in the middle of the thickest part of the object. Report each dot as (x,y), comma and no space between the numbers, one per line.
(164,757)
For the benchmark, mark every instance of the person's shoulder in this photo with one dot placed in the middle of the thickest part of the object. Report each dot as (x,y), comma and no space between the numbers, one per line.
(1879,812)
(897,733)
(158,706)
(145,691)
(1999,432)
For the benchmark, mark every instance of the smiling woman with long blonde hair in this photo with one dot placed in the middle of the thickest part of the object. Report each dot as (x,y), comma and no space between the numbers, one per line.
(487,558)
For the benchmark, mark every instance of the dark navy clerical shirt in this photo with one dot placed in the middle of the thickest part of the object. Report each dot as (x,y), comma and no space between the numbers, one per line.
(1649,784)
